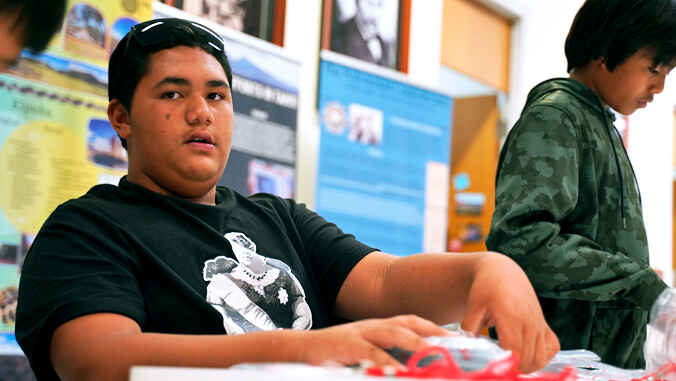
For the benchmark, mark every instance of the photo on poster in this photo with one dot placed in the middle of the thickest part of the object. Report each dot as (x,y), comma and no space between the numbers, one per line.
(255,67)
(9,292)
(253,17)
(271,178)
(8,300)
(366,124)
(10,254)
(366,29)
(62,72)
(469,203)
(120,28)
(104,145)
(470,232)
(86,30)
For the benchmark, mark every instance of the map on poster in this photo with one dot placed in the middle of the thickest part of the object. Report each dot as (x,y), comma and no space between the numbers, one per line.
(383,170)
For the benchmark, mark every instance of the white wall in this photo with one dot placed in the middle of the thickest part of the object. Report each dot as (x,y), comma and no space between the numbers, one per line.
(302,31)
(425,41)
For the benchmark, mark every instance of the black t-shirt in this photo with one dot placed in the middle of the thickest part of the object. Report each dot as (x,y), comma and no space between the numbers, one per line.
(245,264)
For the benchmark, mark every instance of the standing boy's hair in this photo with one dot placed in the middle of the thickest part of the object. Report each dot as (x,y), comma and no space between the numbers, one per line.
(616,29)
(37,20)
(129,61)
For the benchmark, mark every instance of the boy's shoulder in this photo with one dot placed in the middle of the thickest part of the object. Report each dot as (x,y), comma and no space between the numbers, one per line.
(563,96)
(563,91)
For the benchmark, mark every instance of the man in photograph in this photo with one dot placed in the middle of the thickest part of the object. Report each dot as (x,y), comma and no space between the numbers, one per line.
(361,37)
(229,13)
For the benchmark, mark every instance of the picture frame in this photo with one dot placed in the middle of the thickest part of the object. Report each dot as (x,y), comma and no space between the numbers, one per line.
(375,31)
(259,18)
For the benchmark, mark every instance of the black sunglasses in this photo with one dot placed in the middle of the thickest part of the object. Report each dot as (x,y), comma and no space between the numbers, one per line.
(156,31)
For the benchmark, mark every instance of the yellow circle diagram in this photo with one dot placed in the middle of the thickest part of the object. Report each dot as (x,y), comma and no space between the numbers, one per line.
(42,164)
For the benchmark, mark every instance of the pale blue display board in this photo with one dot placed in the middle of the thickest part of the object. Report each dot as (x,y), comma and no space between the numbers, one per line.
(379,139)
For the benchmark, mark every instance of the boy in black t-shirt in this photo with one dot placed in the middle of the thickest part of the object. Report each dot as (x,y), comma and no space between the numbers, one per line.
(145,273)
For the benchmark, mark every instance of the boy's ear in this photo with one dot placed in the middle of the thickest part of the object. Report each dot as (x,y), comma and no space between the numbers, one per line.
(119,118)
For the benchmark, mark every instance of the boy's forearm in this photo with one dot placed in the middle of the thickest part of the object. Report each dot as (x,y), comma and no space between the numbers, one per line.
(89,348)
(217,351)
(432,285)
(110,356)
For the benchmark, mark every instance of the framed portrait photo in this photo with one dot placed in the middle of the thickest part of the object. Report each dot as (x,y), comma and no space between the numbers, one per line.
(374,31)
(259,18)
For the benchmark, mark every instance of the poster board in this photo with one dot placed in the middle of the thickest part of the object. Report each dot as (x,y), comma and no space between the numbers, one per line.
(384,156)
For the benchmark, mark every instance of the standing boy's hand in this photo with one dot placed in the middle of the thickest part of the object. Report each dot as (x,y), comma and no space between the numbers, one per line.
(502,296)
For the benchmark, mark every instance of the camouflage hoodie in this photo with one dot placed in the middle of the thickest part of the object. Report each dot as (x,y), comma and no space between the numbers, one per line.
(561,209)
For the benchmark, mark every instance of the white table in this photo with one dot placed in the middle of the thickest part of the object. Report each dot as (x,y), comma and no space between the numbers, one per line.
(281,372)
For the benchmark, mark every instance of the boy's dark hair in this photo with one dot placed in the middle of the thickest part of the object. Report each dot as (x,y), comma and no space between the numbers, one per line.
(616,29)
(129,61)
(37,20)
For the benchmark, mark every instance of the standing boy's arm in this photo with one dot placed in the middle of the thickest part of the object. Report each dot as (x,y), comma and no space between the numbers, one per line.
(482,289)
(104,346)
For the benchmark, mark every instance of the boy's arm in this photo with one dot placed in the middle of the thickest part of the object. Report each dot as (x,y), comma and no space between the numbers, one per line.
(481,289)
(104,346)
(543,179)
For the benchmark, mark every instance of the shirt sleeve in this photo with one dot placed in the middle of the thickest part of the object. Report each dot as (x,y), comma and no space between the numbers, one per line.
(332,253)
(537,191)
(74,269)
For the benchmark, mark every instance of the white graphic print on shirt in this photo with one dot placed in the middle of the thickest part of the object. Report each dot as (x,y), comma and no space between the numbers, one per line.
(254,292)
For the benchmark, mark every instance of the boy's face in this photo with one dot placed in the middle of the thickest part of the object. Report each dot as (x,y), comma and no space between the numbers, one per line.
(180,126)
(11,41)
(633,83)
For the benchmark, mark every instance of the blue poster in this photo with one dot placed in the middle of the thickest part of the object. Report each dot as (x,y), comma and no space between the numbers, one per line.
(384,154)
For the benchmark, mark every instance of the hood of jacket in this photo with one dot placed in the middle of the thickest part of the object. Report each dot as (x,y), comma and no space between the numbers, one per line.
(572,87)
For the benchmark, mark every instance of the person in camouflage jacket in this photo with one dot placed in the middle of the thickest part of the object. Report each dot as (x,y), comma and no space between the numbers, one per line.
(568,207)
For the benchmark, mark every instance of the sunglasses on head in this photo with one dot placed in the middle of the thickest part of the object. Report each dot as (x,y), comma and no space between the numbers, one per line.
(157,31)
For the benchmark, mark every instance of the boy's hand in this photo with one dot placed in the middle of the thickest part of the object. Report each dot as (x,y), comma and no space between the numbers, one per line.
(502,296)
(352,343)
